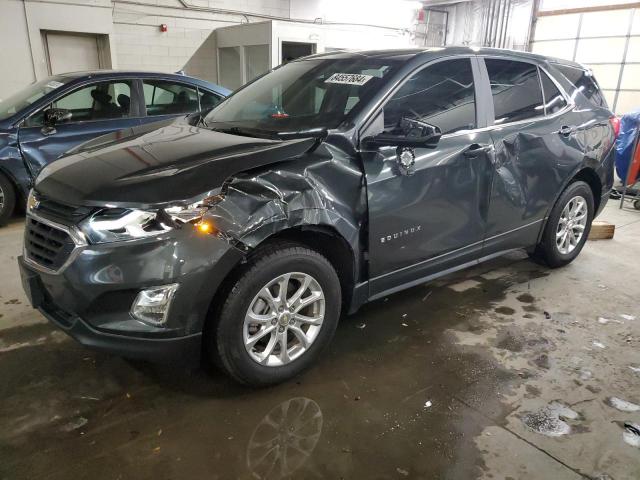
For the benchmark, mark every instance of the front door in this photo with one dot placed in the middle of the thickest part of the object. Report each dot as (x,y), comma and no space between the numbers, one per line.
(96,109)
(427,207)
(537,148)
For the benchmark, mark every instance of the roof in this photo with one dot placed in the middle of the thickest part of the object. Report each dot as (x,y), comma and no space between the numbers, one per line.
(75,76)
(409,53)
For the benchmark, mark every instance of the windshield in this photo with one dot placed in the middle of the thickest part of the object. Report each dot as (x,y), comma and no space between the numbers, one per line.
(304,95)
(27,96)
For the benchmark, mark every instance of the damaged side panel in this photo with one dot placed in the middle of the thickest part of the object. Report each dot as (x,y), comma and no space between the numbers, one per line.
(323,187)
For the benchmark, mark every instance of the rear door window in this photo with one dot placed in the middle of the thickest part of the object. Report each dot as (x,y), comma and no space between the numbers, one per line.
(553,99)
(515,88)
(208,99)
(441,94)
(162,97)
(584,81)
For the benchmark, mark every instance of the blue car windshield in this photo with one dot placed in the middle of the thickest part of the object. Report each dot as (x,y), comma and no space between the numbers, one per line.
(27,96)
(315,93)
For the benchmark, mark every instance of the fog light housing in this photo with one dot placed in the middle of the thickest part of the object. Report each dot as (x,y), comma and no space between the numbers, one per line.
(151,306)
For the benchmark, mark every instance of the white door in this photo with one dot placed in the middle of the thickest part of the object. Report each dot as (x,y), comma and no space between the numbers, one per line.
(70,52)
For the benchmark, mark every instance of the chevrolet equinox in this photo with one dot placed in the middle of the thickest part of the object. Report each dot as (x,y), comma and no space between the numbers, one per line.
(243,233)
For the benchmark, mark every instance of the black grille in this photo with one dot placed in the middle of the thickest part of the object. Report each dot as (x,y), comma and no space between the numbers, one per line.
(67,214)
(46,245)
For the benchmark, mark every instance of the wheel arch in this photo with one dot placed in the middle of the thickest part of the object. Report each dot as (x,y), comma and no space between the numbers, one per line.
(585,174)
(323,239)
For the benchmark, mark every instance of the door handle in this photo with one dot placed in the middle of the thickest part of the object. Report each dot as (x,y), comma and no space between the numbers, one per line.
(565,130)
(48,130)
(477,149)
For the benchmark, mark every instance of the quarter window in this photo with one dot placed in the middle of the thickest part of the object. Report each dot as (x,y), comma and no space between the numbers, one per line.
(553,99)
(585,82)
(441,95)
(515,88)
(169,98)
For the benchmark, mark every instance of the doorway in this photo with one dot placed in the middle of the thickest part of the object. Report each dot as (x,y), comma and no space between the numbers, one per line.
(292,50)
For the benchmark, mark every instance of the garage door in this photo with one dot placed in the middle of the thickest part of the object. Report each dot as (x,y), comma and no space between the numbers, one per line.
(72,52)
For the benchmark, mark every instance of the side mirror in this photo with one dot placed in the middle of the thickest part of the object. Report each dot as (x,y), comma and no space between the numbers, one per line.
(408,133)
(54,116)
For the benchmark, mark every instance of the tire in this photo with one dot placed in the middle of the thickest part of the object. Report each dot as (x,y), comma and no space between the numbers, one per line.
(231,325)
(7,199)
(548,251)
(636,204)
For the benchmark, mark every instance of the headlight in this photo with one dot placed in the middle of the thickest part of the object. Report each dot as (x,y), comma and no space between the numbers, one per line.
(122,224)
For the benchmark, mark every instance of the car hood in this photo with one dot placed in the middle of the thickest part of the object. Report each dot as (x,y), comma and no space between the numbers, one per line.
(159,164)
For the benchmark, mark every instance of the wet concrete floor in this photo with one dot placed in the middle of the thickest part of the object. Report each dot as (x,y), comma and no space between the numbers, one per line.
(505,371)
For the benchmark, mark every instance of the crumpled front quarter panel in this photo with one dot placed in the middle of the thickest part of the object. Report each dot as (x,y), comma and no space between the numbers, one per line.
(323,187)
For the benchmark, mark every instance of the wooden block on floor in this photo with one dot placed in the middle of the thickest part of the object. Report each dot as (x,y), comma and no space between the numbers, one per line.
(601,230)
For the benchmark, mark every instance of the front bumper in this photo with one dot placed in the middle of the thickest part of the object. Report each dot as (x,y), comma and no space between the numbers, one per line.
(90,299)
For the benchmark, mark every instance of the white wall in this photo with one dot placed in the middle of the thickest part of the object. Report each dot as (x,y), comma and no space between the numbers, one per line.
(391,13)
(13,26)
(134,39)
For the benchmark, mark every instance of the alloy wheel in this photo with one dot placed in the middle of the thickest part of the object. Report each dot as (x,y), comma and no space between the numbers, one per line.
(1,199)
(572,223)
(284,319)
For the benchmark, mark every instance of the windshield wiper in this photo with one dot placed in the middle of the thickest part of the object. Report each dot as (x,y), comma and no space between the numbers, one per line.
(304,133)
(247,132)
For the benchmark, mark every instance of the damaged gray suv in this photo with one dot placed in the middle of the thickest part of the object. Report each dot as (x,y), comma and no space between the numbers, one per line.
(244,233)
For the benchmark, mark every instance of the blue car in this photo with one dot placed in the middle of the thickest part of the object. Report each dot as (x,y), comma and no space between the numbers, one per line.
(48,118)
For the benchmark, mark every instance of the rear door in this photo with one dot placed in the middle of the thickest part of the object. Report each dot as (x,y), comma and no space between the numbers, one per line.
(96,109)
(428,214)
(536,133)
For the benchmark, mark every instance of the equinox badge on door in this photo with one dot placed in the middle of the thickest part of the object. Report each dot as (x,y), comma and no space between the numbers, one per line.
(400,234)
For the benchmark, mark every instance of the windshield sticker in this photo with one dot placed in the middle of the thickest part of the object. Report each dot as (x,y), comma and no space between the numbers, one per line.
(53,84)
(348,78)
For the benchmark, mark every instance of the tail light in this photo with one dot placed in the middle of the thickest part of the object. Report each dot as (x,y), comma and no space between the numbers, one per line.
(615,124)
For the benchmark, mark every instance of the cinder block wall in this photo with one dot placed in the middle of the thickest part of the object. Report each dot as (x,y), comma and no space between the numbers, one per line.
(133,28)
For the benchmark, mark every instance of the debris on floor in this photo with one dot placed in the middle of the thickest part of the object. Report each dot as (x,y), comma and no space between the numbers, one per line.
(75,424)
(631,434)
(622,405)
(550,420)
(605,321)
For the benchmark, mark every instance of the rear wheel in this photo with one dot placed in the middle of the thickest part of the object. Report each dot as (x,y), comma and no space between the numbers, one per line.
(568,226)
(7,199)
(280,313)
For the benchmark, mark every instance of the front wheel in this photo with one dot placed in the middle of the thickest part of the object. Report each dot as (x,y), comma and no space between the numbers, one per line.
(280,313)
(567,227)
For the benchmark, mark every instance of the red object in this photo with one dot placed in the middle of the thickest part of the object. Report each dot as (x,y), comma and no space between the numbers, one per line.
(163,27)
(421,15)
(615,123)
(634,168)
(279,115)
